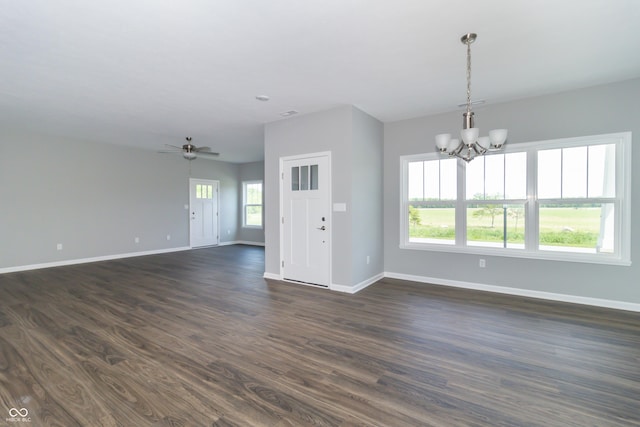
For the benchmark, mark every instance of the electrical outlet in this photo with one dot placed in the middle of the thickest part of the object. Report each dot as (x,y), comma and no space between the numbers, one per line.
(368,259)
(168,236)
(59,246)
(136,240)
(482,263)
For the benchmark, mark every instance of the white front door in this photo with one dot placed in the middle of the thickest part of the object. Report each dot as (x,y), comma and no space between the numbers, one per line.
(305,222)
(203,212)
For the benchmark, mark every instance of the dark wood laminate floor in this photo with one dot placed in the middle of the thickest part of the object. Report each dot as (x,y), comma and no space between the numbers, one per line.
(198,338)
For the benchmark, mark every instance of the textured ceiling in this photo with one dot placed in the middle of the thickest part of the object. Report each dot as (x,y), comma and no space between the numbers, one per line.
(150,72)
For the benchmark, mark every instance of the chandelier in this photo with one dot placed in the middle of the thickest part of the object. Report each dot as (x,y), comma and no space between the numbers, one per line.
(471,144)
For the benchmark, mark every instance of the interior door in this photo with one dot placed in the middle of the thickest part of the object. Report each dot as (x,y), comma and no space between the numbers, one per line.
(306,227)
(203,212)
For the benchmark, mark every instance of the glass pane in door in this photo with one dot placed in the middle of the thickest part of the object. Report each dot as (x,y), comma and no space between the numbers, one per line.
(295,178)
(304,178)
(314,177)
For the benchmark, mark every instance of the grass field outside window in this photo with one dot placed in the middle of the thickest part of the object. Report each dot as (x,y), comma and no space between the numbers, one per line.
(566,226)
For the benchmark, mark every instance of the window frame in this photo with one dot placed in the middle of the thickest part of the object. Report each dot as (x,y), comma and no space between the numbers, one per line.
(246,205)
(621,200)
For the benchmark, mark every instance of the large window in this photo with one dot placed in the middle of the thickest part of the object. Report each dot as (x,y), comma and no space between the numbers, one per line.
(563,199)
(432,194)
(252,204)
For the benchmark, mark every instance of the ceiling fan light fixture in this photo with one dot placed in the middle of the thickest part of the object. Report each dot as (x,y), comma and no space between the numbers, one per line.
(189,155)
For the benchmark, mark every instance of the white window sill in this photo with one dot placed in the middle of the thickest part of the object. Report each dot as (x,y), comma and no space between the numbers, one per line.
(516,253)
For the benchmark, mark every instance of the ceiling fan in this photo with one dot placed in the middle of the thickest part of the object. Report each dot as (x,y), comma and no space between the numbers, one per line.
(190,151)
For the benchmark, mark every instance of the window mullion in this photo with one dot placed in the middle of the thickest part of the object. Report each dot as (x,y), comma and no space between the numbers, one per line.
(461,205)
(532,221)
(404,205)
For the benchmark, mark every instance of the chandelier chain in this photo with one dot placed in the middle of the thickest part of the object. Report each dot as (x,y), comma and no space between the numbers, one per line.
(468,76)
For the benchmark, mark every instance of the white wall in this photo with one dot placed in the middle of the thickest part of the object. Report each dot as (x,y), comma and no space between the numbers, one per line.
(597,110)
(366,192)
(355,142)
(96,198)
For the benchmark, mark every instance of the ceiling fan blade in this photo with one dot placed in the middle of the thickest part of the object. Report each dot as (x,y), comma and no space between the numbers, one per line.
(208,155)
(190,151)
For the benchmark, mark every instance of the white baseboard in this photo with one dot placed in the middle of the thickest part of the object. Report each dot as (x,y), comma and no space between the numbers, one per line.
(250,243)
(357,287)
(335,287)
(241,242)
(87,260)
(271,276)
(574,299)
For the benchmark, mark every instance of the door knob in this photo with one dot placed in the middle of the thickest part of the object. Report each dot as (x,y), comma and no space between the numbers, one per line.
(322,228)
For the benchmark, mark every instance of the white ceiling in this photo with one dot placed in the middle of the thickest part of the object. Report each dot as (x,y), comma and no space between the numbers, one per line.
(150,72)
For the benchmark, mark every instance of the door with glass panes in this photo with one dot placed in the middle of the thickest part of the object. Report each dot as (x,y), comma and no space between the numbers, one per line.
(305,220)
(203,212)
